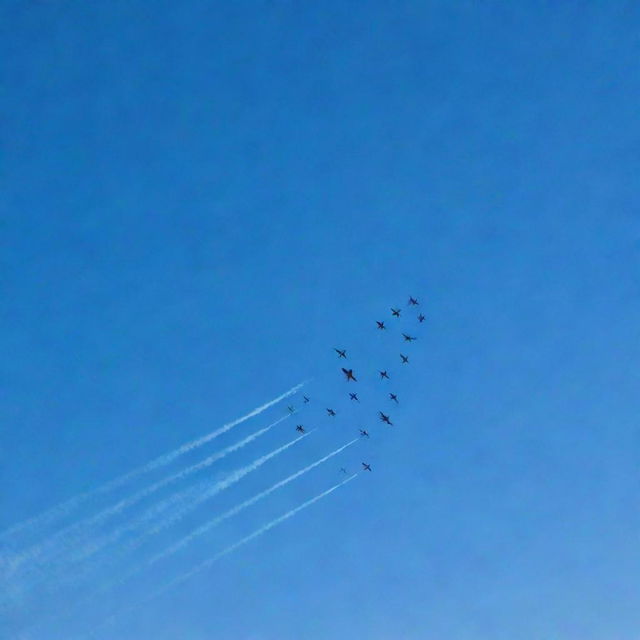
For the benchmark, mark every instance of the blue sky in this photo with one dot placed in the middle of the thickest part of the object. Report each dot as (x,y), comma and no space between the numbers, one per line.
(201,199)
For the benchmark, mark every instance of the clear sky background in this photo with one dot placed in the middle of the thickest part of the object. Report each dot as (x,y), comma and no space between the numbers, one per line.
(199,200)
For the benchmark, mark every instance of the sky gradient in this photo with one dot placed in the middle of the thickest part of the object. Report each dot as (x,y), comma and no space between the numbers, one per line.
(200,200)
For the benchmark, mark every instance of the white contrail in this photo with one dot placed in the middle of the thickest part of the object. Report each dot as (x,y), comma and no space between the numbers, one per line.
(214,522)
(67,507)
(71,536)
(210,490)
(140,495)
(221,554)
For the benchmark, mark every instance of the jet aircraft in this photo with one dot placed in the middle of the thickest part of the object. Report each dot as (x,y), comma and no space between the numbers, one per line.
(349,374)
(364,433)
(331,412)
(395,312)
(380,324)
(366,467)
(384,374)
(413,301)
(300,428)
(342,353)
(305,399)
(420,318)
(385,418)
(354,396)
(408,338)
(394,397)
(343,470)
(291,409)
(405,359)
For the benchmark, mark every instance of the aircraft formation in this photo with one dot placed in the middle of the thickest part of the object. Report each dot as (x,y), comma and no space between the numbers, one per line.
(68,546)
(383,375)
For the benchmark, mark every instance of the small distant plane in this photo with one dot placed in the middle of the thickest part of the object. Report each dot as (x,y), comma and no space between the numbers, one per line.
(291,409)
(305,399)
(380,324)
(349,374)
(366,467)
(354,396)
(405,359)
(394,397)
(420,318)
(342,353)
(385,418)
(413,301)
(300,428)
(395,312)
(364,433)
(343,470)
(408,338)
(331,412)
(384,374)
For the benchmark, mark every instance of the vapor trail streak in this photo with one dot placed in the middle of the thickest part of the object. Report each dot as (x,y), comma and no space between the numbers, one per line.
(214,522)
(226,551)
(65,508)
(175,506)
(140,495)
(208,492)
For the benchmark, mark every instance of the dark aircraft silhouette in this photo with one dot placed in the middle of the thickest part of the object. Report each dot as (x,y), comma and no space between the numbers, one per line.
(394,397)
(413,301)
(364,433)
(384,374)
(405,359)
(366,467)
(385,418)
(342,353)
(300,428)
(291,409)
(420,318)
(305,399)
(380,324)
(349,374)
(395,312)
(408,338)
(354,396)
(343,470)
(331,412)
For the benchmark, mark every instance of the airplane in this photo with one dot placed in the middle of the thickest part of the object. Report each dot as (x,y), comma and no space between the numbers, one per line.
(405,359)
(385,418)
(305,399)
(380,324)
(364,433)
(342,353)
(420,318)
(384,374)
(366,467)
(300,428)
(349,374)
(291,409)
(331,412)
(354,396)
(395,312)
(413,301)
(343,470)
(394,397)
(408,338)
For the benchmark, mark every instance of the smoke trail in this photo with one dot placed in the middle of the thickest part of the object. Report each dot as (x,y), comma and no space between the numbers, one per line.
(185,504)
(180,475)
(221,554)
(63,509)
(189,504)
(71,535)
(214,522)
